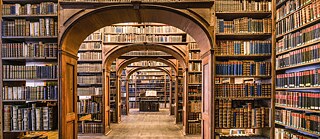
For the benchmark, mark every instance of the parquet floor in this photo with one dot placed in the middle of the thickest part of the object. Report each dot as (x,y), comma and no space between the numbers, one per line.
(145,125)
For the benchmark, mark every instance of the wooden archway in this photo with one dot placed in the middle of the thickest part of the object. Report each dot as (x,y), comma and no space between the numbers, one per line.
(76,25)
(147,67)
(117,51)
(125,63)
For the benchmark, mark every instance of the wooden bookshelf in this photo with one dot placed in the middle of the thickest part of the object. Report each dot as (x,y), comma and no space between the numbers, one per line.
(47,105)
(90,92)
(231,45)
(284,107)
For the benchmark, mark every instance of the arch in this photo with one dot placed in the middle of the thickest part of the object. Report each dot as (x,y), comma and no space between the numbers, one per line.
(153,67)
(83,23)
(117,51)
(125,63)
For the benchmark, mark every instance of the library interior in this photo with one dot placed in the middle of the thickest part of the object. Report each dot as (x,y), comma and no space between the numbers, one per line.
(167,69)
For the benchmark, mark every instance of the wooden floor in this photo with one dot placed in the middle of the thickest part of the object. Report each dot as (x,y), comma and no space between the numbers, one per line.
(153,125)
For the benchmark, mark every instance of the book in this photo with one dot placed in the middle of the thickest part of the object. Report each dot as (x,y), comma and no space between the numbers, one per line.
(284,133)
(89,67)
(90,56)
(89,106)
(302,100)
(49,92)
(90,128)
(89,79)
(135,38)
(88,91)
(141,29)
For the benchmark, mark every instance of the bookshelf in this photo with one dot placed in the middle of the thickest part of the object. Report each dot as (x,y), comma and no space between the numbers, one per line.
(244,76)
(124,94)
(29,68)
(90,94)
(194,89)
(297,94)
(113,94)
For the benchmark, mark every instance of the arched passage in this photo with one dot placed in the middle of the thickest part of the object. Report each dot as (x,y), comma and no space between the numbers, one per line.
(141,68)
(117,51)
(125,63)
(77,25)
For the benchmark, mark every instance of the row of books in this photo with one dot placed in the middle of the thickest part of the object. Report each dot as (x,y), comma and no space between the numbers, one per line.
(298,57)
(146,53)
(194,55)
(151,73)
(243,90)
(88,106)
(244,25)
(90,56)
(38,49)
(96,36)
(194,115)
(89,67)
(281,133)
(195,106)
(148,77)
(142,29)
(42,8)
(195,78)
(299,38)
(291,6)
(149,85)
(300,120)
(304,100)
(20,118)
(195,66)
(91,46)
(306,78)
(89,91)
(29,72)
(23,27)
(246,68)
(90,128)
(194,128)
(245,116)
(133,38)
(49,92)
(300,18)
(193,46)
(147,63)
(252,47)
(89,79)
(242,5)
(148,89)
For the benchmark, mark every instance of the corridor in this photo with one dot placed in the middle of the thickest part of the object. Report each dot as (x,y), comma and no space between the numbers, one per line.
(153,125)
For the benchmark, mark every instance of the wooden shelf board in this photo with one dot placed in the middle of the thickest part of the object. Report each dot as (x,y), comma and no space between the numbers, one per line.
(195,60)
(97,50)
(298,109)
(195,72)
(242,36)
(164,43)
(227,57)
(240,76)
(30,59)
(88,41)
(300,65)
(300,88)
(85,61)
(194,50)
(299,47)
(243,98)
(148,56)
(169,33)
(30,16)
(297,129)
(238,14)
(21,80)
(299,28)
(242,128)
(43,100)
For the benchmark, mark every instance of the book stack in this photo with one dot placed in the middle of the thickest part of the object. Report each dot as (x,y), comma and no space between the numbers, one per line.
(30,50)
(246,68)
(243,90)
(306,78)
(49,92)
(42,8)
(255,47)
(240,6)
(302,100)
(29,72)
(244,25)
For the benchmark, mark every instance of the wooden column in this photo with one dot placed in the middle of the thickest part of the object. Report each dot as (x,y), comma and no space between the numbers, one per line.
(176,103)
(127,96)
(68,119)
(208,74)
(185,101)
(170,98)
(106,103)
(118,99)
